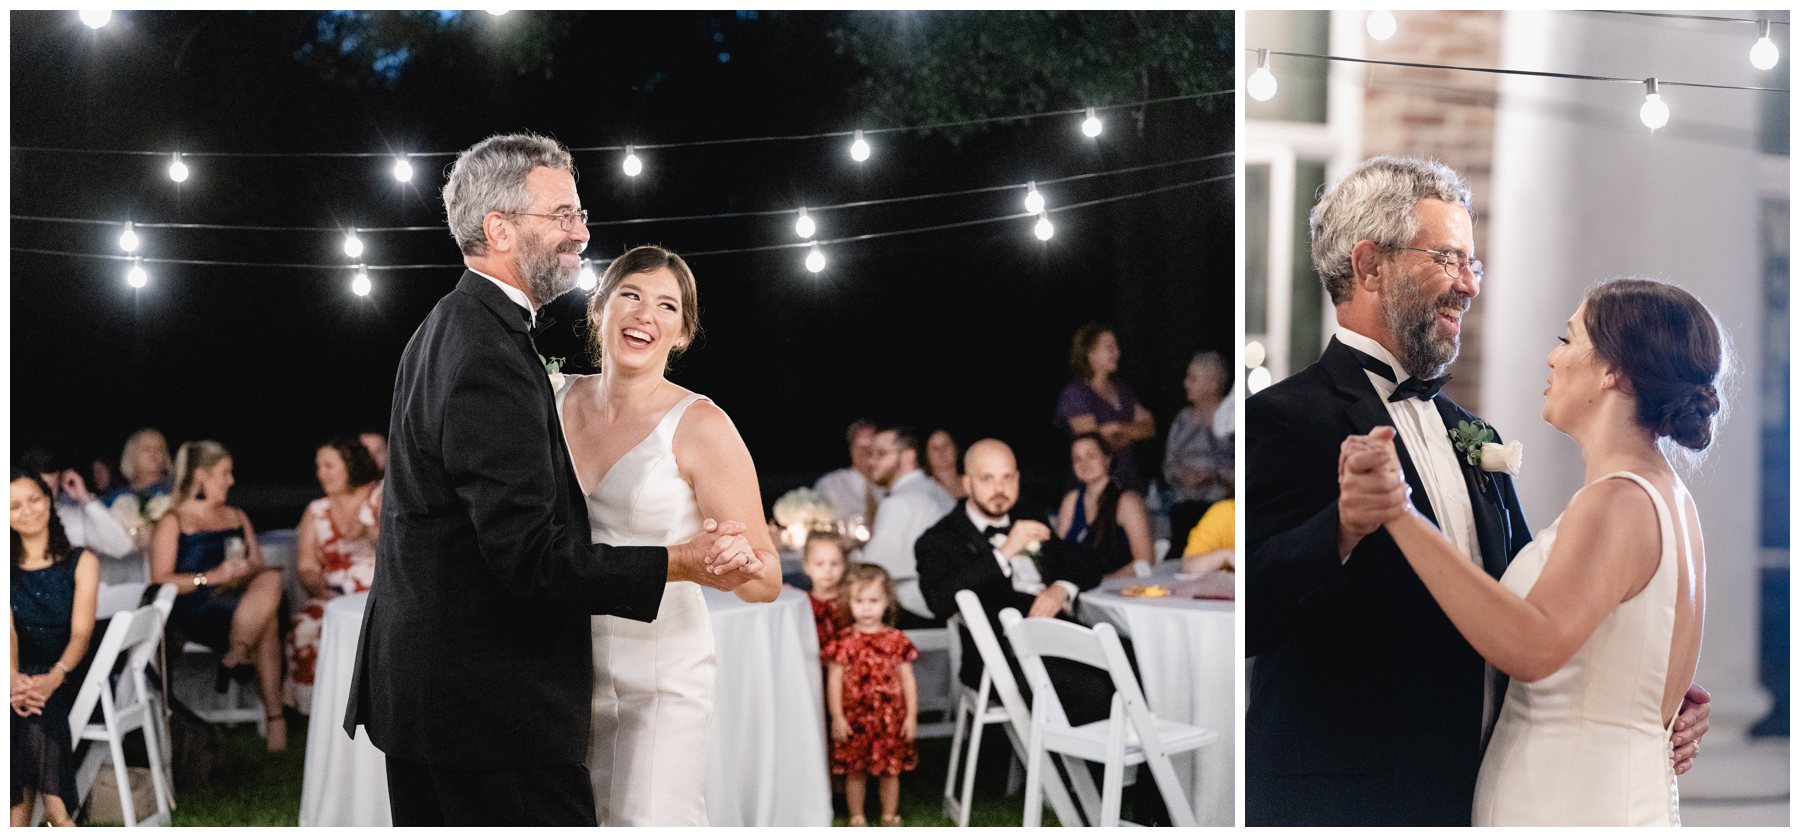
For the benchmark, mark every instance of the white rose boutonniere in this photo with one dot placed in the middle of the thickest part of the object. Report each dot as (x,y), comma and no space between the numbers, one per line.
(553,367)
(1509,457)
(1032,550)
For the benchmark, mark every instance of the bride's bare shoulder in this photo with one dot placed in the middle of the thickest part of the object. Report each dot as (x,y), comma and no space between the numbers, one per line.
(706,434)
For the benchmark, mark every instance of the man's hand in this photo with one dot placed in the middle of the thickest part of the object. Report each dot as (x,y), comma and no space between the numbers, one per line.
(1023,534)
(1690,725)
(719,557)
(1371,489)
(73,486)
(1050,602)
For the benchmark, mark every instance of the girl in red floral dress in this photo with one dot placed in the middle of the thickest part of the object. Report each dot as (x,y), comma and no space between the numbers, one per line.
(873,698)
(823,562)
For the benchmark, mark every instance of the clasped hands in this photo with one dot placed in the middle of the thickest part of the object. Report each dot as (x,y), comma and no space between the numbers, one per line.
(719,557)
(30,691)
(1372,490)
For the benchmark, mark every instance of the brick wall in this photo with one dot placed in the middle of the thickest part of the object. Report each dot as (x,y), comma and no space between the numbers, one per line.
(1445,114)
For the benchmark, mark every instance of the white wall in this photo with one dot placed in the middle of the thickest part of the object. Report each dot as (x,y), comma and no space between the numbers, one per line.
(1582,191)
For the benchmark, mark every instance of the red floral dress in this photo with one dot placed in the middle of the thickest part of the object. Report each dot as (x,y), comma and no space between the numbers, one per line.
(348,565)
(874,702)
(824,619)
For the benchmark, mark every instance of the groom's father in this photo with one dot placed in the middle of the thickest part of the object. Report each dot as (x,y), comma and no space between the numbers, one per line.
(474,672)
(1366,705)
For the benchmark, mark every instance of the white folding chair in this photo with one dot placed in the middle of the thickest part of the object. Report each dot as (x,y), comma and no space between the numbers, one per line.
(975,709)
(997,680)
(117,597)
(210,706)
(1129,735)
(930,671)
(134,635)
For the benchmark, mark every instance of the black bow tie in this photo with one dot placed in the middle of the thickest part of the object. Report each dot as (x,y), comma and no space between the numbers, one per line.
(991,531)
(1422,388)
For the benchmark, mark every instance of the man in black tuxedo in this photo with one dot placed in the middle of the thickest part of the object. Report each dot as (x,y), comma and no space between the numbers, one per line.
(474,669)
(1366,705)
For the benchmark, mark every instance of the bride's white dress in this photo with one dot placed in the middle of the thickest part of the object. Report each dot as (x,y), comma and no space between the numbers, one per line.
(653,682)
(1587,745)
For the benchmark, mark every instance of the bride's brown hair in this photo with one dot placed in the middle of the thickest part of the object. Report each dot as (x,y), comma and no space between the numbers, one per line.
(1671,349)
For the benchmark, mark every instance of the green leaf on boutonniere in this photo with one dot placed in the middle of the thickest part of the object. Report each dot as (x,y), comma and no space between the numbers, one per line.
(1468,437)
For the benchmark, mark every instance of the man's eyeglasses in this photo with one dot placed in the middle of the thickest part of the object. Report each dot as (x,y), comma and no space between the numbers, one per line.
(566,219)
(1453,263)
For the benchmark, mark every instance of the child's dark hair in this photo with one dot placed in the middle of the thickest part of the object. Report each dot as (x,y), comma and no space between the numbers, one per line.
(862,575)
(818,536)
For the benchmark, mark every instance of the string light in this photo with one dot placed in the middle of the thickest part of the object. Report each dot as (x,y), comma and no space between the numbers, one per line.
(804,226)
(1262,82)
(95,18)
(1091,125)
(402,169)
(128,240)
(1034,200)
(632,166)
(498,12)
(1254,354)
(361,284)
(1381,25)
(1258,379)
(859,147)
(815,259)
(586,279)
(353,246)
(1655,112)
(1044,228)
(136,276)
(1764,55)
(178,171)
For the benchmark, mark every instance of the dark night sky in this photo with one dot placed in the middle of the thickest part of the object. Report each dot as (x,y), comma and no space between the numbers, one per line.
(966,328)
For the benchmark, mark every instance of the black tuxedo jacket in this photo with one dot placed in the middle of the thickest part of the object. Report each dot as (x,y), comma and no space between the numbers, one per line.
(475,649)
(1365,702)
(952,555)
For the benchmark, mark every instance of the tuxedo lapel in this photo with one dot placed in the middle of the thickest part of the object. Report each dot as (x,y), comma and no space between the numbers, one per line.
(1366,411)
(1485,497)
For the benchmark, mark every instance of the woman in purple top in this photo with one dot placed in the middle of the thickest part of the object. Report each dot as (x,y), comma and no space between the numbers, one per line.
(1095,403)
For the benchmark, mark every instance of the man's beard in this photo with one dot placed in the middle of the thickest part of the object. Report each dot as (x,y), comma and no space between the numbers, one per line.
(540,265)
(1412,319)
(1002,504)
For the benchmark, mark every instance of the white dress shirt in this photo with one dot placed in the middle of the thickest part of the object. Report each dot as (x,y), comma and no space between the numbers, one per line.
(513,294)
(90,525)
(1022,569)
(848,493)
(914,503)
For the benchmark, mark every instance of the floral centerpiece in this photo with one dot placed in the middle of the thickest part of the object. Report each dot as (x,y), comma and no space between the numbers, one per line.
(138,514)
(806,509)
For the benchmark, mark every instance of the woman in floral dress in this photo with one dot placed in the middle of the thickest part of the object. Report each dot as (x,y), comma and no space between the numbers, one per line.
(336,550)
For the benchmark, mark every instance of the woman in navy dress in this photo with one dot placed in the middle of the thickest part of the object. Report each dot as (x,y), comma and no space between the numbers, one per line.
(54,592)
(1111,522)
(228,600)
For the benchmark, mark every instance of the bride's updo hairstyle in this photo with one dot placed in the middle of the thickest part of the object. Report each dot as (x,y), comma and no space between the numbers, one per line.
(1671,349)
(647,258)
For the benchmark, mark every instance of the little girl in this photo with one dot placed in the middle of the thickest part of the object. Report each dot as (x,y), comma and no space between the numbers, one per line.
(872,696)
(823,562)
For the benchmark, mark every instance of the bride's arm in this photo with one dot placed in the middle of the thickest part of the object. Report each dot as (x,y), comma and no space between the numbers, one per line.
(1606,548)
(713,459)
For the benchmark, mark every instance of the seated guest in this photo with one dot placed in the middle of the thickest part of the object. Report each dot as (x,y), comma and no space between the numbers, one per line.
(54,590)
(228,599)
(982,547)
(336,550)
(84,518)
(145,466)
(913,503)
(941,454)
(1199,462)
(850,491)
(1111,523)
(824,563)
(1213,543)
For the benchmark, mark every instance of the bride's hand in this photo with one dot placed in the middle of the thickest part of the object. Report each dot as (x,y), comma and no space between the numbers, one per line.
(1372,491)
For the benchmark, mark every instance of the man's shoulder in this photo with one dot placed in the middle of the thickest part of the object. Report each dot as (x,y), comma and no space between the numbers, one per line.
(1304,389)
(841,476)
(948,526)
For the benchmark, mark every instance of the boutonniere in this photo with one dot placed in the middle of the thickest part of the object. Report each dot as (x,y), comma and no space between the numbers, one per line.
(1480,446)
(553,368)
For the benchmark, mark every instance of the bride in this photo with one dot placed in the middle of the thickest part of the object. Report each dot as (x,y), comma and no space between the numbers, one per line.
(653,460)
(1598,620)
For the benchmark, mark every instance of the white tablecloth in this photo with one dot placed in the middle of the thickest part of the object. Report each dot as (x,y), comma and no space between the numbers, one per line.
(768,762)
(1187,653)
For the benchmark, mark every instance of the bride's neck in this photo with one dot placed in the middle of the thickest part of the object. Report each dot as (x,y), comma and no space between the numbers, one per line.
(617,387)
(1618,443)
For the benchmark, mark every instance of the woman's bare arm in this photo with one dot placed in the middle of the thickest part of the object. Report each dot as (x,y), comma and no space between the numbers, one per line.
(713,459)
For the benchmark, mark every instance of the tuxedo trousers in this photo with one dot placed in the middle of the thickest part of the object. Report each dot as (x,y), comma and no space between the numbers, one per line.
(436,796)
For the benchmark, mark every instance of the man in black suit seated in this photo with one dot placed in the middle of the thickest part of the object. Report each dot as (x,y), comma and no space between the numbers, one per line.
(981,547)
(474,670)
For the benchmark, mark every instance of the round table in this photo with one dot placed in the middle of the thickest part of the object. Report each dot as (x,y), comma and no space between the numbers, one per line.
(768,761)
(1186,653)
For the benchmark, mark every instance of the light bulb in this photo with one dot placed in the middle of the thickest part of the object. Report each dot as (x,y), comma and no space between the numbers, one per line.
(1381,25)
(1091,125)
(632,166)
(402,170)
(804,226)
(586,278)
(136,275)
(1262,82)
(353,246)
(1655,112)
(1764,55)
(128,240)
(95,18)
(1034,200)
(815,260)
(360,285)
(1258,379)
(859,147)
(1254,354)
(1044,228)
(178,171)
(498,12)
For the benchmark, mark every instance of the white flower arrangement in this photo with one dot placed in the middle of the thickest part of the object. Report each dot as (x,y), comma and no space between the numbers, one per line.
(806,508)
(553,367)
(1509,458)
(130,514)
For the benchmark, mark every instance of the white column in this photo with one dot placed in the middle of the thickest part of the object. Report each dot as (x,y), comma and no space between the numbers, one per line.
(1584,192)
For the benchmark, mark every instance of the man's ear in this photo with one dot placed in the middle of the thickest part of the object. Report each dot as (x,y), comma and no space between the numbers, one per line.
(498,232)
(1366,265)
